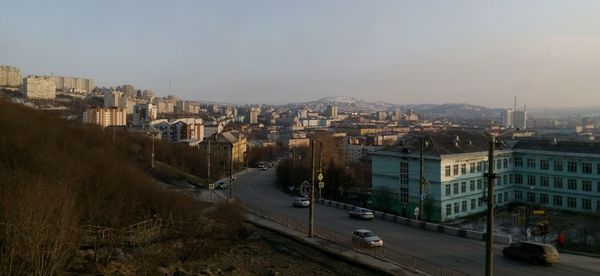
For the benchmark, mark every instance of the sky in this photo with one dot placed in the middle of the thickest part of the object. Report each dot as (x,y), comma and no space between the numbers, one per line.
(547,53)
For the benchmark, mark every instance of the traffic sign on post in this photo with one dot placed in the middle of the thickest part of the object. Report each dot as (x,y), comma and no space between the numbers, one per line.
(321,184)
(320,177)
(211,186)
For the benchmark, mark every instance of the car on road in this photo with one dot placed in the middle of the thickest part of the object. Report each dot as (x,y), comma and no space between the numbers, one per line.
(300,202)
(365,237)
(361,213)
(533,252)
(222,186)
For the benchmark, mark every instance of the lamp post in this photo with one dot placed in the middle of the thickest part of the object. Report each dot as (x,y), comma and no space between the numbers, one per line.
(489,238)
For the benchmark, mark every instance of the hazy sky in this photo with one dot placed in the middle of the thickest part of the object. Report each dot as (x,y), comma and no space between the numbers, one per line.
(545,52)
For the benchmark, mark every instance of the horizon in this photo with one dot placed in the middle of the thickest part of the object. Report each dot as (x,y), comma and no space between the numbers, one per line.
(275,52)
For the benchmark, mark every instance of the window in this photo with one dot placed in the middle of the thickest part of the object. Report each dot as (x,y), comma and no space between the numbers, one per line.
(572,166)
(448,170)
(571,202)
(472,167)
(531,197)
(498,164)
(505,163)
(479,185)
(572,184)
(505,179)
(448,190)
(518,178)
(586,168)
(448,209)
(499,198)
(455,169)
(557,200)
(531,163)
(511,178)
(586,204)
(464,206)
(544,182)
(456,210)
(463,168)
(543,198)
(479,167)
(598,188)
(544,164)
(597,168)
(472,185)
(558,183)
(506,196)
(404,194)
(455,186)
(531,180)
(558,165)
(403,172)
(518,162)
(479,202)
(463,187)
(519,195)
(472,204)
(586,185)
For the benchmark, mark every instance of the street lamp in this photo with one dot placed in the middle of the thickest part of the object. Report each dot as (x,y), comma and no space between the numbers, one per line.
(152,158)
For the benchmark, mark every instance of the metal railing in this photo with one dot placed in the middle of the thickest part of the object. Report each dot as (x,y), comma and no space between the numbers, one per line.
(406,261)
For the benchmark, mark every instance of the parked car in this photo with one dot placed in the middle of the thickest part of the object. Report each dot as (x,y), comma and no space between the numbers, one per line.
(222,186)
(361,213)
(300,202)
(536,253)
(366,238)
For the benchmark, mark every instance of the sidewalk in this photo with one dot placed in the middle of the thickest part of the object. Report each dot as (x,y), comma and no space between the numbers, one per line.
(332,249)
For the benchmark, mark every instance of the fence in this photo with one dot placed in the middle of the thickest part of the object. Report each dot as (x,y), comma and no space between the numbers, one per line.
(408,262)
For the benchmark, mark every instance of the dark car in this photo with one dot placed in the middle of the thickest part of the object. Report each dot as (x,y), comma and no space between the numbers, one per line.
(222,186)
(536,253)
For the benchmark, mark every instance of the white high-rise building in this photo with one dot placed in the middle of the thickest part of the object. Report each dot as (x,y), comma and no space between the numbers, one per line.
(507,118)
(520,119)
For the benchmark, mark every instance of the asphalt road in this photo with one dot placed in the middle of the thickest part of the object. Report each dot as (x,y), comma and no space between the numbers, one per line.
(257,188)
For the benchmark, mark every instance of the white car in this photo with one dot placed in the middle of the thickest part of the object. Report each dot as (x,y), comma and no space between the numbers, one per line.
(366,238)
(361,213)
(300,202)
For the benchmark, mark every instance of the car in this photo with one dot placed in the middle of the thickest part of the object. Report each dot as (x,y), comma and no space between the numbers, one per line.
(533,252)
(366,238)
(300,202)
(361,213)
(222,186)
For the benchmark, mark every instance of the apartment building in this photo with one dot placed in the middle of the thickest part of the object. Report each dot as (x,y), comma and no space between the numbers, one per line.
(104,117)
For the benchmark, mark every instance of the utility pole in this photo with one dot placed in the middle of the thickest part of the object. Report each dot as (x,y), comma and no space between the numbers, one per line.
(230,171)
(489,238)
(152,162)
(311,210)
(421,179)
(320,165)
(208,163)
(294,166)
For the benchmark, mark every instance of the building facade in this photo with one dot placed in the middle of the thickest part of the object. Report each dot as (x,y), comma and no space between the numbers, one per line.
(72,84)
(143,114)
(105,117)
(456,186)
(225,146)
(38,87)
(10,76)
(180,129)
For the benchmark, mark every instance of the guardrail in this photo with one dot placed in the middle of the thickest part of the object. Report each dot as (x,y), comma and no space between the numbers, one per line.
(406,261)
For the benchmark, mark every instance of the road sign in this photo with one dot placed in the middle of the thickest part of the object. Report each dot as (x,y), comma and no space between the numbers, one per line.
(305,188)
(321,185)
(211,186)
(320,177)
(416,212)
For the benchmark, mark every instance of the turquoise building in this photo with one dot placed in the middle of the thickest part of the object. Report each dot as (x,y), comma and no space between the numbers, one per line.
(550,174)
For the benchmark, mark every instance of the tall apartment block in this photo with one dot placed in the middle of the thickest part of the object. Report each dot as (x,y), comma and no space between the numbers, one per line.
(38,87)
(104,117)
(10,76)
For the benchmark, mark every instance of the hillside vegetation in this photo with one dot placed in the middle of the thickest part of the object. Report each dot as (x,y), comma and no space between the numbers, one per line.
(58,175)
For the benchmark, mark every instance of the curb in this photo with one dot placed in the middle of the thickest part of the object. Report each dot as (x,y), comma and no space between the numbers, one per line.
(579,253)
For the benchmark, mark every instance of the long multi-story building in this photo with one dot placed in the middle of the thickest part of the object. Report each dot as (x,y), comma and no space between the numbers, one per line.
(549,174)
(104,117)
(180,129)
(10,76)
(38,87)
(72,84)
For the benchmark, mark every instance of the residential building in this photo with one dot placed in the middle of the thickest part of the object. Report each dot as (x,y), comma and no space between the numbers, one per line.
(180,129)
(104,117)
(74,85)
(253,115)
(507,118)
(332,111)
(225,145)
(113,99)
(10,76)
(128,90)
(143,114)
(520,119)
(38,87)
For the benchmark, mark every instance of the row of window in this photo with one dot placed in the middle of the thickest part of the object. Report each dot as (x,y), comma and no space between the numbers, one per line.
(475,167)
(453,189)
(557,200)
(462,208)
(544,181)
(544,164)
